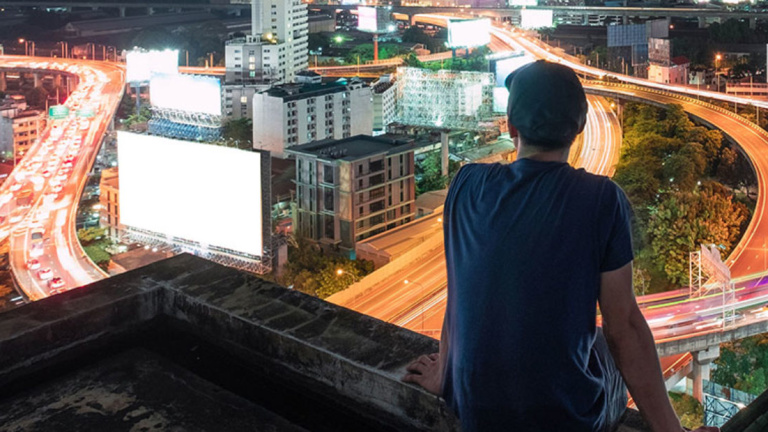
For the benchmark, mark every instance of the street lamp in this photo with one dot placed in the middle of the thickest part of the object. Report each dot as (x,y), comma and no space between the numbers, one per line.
(406,282)
(718,57)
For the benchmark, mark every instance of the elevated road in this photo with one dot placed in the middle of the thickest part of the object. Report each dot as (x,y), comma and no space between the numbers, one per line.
(41,196)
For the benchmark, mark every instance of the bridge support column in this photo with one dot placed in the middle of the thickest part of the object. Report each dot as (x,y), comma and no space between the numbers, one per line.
(121,10)
(444,152)
(585,19)
(3,82)
(702,22)
(36,79)
(701,369)
(150,11)
(753,23)
(625,19)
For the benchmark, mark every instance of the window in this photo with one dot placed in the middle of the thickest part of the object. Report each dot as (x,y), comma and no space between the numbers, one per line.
(361,211)
(360,169)
(243,99)
(328,174)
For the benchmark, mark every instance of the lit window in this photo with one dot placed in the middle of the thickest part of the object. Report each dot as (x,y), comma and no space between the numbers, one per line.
(243,99)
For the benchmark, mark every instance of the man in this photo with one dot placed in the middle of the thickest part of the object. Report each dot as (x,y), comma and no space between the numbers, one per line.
(531,247)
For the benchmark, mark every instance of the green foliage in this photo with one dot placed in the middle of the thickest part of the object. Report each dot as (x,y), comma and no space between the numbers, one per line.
(314,272)
(434,44)
(365,53)
(684,220)
(688,409)
(318,40)
(90,236)
(742,365)
(477,62)
(240,130)
(664,166)
(36,97)
(98,256)
(429,173)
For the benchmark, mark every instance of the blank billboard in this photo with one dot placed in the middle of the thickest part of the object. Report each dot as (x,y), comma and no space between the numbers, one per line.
(188,93)
(536,18)
(375,19)
(469,33)
(198,192)
(141,65)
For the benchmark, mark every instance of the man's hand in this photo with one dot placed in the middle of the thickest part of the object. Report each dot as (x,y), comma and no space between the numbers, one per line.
(426,372)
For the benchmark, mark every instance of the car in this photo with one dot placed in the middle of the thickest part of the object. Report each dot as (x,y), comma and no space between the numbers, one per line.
(16,216)
(33,264)
(36,249)
(45,274)
(37,234)
(15,187)
(57,284)
(57,188)
(47,173)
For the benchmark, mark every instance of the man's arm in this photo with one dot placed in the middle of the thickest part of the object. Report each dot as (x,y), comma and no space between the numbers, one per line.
(427,370)
(631,344)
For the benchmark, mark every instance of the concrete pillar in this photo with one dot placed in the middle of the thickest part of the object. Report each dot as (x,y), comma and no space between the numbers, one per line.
(122,11)
(585,20)
(36,78)
(444,152)
(701,369)
(150,11)
(238,12)
(702,22)
(625,19)
(3,82)
(753,23)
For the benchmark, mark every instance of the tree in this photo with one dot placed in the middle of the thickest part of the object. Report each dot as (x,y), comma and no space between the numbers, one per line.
(89,236)
(36,97)
(240,130)
(742,365)
(684,220)
(317,41)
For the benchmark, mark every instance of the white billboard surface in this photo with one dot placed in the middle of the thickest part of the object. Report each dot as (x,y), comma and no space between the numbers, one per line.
(189,93)
(141,65)
(469,33)
(523,2)
(366,19)
(501,70)
(200,192)
(536,18)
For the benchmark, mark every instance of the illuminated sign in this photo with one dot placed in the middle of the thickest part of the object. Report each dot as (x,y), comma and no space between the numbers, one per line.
(141,65)
(523,3)
(536,18)
(469,33)
(58,112)
(366,19)
(199,192)
(188,93)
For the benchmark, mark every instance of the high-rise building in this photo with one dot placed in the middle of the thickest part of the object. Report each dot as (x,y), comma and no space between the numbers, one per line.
(384,99)
(109,201)
(292,114)
(274,52)
(19,127)
(351,189)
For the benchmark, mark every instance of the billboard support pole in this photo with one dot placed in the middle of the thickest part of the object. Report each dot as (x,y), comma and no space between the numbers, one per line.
(375,47)
(444,152)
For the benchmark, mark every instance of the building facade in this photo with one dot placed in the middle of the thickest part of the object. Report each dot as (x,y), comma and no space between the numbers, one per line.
(384,100)
(351,189)
(238,99)
(293,114)
(19,127)
(109,201)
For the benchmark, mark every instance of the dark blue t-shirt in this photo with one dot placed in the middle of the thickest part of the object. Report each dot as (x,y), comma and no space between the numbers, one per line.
(525,244)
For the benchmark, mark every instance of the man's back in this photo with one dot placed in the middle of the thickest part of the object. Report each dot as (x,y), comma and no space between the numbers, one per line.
(525,246)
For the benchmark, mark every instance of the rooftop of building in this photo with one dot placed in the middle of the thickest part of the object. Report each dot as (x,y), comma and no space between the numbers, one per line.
(382,86)
(680,60)
(27,114)
(320,17)
(295,91)
(353,148)
(187,344)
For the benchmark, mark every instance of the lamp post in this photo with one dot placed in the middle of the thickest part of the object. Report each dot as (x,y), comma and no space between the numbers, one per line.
(718,57)
(406,282)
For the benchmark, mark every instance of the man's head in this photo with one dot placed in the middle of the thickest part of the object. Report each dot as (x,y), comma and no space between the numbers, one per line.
(547,105)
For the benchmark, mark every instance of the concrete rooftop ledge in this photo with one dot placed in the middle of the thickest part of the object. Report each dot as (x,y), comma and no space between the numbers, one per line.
(128,351)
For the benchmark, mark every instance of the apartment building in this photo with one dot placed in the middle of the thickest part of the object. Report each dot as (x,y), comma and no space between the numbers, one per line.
(350,189)
(293,114)
(109,199)
(384,100)
(19,127)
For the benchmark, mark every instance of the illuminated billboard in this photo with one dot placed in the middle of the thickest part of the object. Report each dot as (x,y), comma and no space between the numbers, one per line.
(375,19)
(141,65)
(469,33)
(187,93)
(536,18)
(523,2)
(202,193)
(501,68)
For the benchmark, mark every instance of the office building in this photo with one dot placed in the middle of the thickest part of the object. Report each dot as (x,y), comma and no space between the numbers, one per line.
(350,189)
(293,114)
